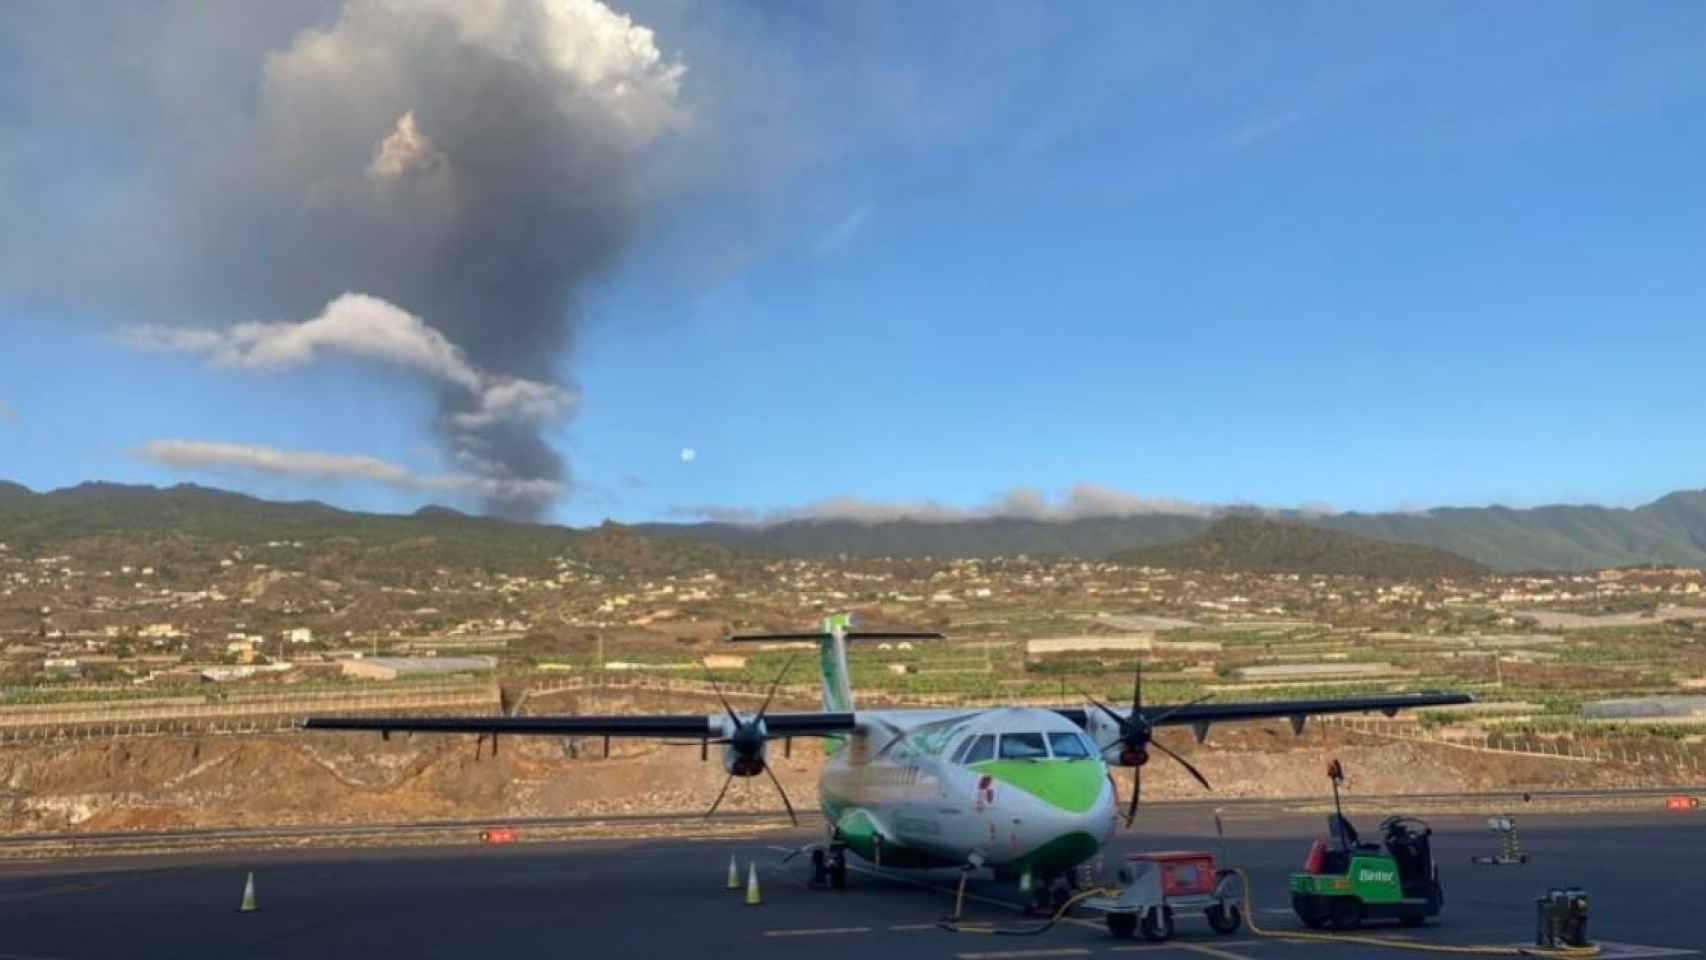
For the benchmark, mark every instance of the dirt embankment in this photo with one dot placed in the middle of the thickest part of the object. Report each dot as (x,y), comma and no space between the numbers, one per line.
(182,782)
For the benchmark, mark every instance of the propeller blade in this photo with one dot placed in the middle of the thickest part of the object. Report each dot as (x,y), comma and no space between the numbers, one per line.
(1103,707)
(1137,691)
(720,795)
(733,717)
(1182,706)
(784,793)
(1193,771)
(773,687)
(1136,791)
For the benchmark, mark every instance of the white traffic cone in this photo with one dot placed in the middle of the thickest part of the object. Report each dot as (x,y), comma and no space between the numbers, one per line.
(734,874)
(752,897)
(248,905)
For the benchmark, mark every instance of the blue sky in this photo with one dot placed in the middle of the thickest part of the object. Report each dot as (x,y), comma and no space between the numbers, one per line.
(1367,257)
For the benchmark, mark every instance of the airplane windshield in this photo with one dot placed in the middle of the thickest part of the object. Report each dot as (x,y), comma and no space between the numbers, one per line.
(983,748)
(1068,746)
(1023,746)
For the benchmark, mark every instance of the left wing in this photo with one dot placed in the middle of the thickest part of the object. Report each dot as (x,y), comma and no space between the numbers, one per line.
(681,726)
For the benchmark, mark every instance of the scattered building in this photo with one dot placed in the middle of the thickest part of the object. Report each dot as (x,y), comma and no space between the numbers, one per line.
(390,668)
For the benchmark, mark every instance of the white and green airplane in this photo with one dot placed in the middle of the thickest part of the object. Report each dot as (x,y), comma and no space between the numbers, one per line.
(1024,791)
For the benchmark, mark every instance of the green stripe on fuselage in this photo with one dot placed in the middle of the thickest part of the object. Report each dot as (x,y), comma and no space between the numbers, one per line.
(1071,785)
(1058,855)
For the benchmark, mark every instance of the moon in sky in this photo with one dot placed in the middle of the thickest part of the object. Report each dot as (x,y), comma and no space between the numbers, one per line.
(687,454)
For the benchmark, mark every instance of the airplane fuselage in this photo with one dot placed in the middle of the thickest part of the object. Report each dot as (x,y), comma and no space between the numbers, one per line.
(1020,790)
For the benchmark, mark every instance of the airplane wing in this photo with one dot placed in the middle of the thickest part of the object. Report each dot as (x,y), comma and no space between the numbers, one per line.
(697,726)
(1388,704)
(1200,715)
(677,726)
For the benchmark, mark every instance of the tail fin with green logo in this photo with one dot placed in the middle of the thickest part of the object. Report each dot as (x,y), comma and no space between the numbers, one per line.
(831,640)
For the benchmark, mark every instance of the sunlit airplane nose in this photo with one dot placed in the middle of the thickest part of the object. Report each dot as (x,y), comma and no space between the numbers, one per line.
(1061,812)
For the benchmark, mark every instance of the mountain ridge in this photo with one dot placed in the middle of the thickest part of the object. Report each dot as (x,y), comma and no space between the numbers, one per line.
(1249,544)
(1669,530)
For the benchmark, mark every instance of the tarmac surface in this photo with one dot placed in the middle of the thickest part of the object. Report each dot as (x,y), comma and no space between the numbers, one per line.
(1645,873)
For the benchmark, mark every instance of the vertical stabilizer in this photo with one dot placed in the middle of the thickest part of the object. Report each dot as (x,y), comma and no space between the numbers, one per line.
(832,663)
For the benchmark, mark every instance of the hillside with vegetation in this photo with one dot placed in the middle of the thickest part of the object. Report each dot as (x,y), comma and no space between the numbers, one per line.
(107,522)
(1248,544)
(1670,530)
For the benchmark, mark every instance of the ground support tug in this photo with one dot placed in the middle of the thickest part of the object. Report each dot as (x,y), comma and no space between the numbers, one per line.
(1345,881)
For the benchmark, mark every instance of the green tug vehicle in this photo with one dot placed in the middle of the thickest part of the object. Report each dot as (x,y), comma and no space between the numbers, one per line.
(1345,881)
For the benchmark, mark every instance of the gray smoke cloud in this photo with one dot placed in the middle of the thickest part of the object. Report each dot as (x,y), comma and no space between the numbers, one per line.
(471,163)
(1081,501)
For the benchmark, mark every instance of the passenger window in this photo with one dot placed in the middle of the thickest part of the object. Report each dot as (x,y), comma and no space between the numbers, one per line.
(1023,746)
(1068,746)
(983,748)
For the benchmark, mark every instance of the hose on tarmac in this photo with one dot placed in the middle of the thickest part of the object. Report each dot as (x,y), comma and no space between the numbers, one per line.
(954,925)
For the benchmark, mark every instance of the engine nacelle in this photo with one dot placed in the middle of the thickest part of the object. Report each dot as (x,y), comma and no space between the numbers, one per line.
(745,753)
(1102,729)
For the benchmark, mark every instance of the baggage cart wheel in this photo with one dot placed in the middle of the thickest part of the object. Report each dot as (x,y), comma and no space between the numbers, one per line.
(1154,931)
(1225,918)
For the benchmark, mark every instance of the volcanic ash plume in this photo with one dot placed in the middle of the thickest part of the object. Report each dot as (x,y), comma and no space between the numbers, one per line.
(469,163)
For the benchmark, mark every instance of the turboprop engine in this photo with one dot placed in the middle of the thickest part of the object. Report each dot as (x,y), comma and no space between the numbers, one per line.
(1129,738)
(746,745)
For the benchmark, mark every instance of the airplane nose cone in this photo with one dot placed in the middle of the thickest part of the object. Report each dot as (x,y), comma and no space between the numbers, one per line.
(1075,786)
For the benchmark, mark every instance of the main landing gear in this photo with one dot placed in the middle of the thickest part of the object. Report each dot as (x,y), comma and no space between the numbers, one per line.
(829,867)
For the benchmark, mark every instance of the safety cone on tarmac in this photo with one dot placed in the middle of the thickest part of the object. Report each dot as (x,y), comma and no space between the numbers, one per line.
(734,874)
(248,905)
(752,897)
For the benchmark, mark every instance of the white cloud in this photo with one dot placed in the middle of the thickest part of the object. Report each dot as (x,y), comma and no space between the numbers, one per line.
(1095,500)
(354,323)
(404,151)
(311,465)
(1079,502)
(688,454)
(365,326)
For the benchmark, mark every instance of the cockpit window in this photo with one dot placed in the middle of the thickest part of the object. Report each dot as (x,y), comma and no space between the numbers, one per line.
(1023,746)
(960,751)
(981,749)
(1068,746)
